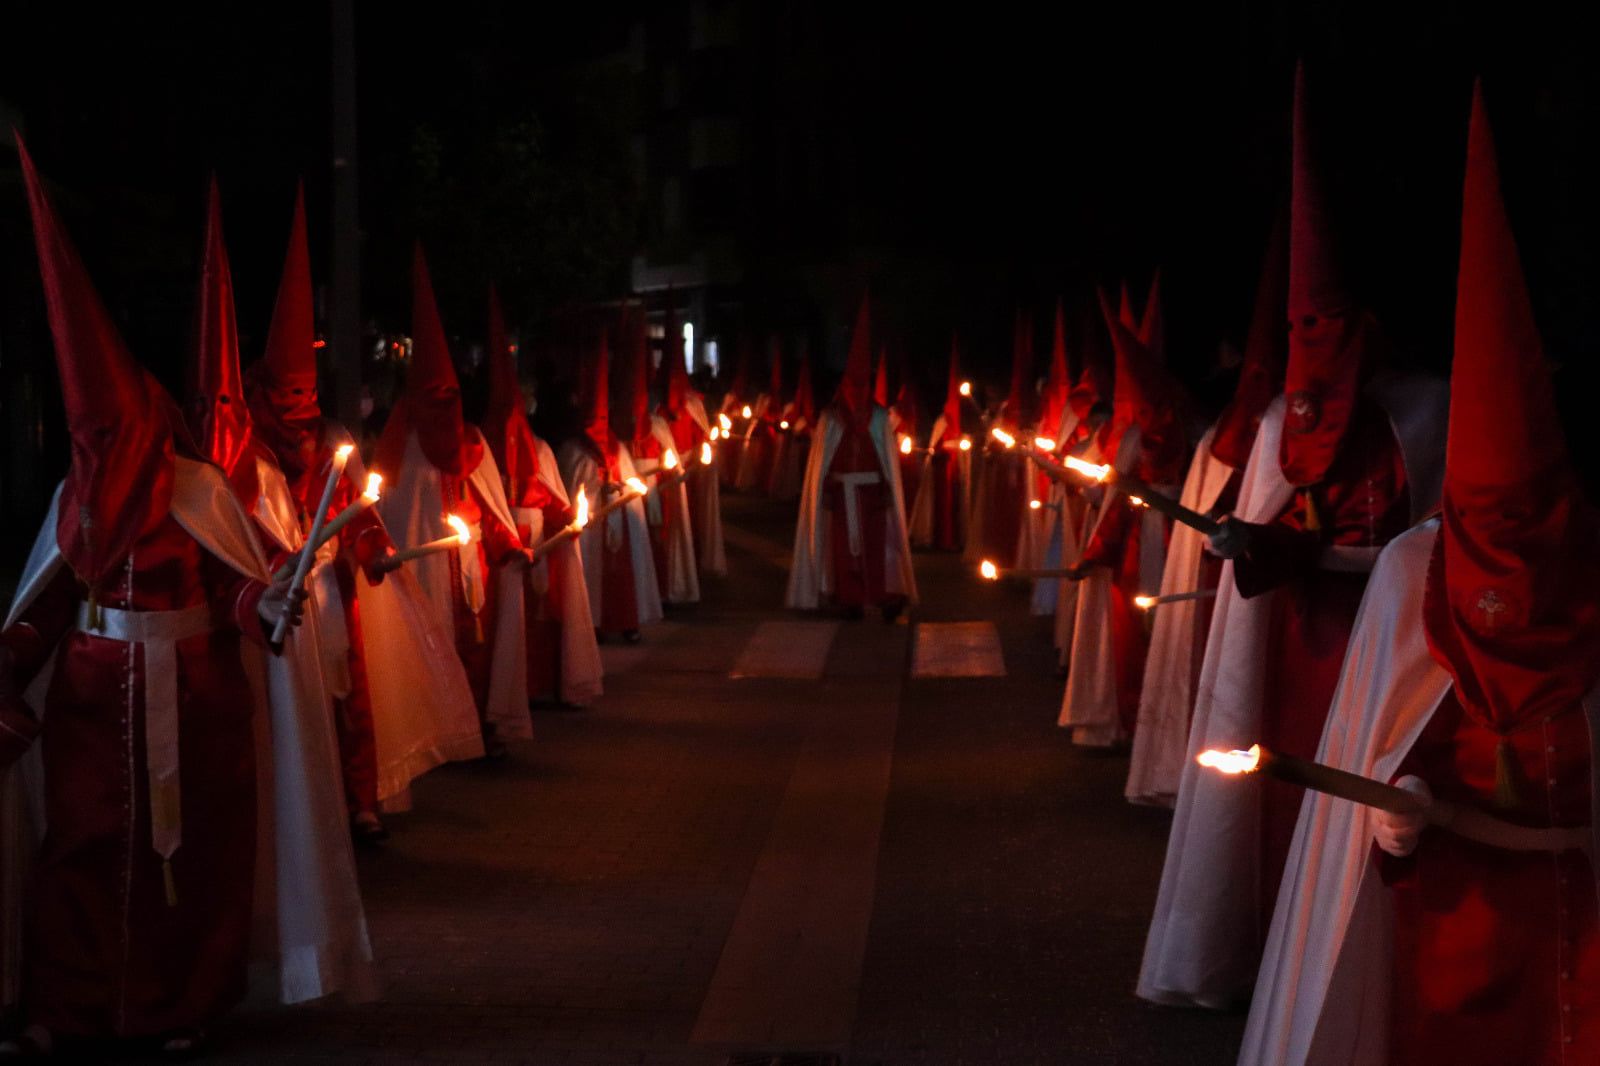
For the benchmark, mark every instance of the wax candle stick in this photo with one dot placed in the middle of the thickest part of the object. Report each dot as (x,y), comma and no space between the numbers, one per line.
(308,551)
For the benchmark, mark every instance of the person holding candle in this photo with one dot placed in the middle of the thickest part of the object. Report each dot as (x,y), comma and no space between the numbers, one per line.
(667,506)
(1178,637)
(761,432)
(563,657)
(1125,550)
(939,511)
(1042,536)
(850,545)
(1343,461)
(125,712)
(794,443)
(1001,476)
(729,414)
(618,566)
(309,883)
(681,419)
(1434,948)
(905,422)
(438,467)
(1088,410)
(393,724)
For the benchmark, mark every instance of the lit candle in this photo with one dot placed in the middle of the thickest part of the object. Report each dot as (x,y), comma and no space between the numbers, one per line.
(965,444)
(966,388)
(745,412)
(990,572)
(1003,437)
(726,423)
(568,532)
(308,550)
(368,497)
(1136,489)
(905,444)
(1044,444)
(1147,602)
(707,456)
(459,539)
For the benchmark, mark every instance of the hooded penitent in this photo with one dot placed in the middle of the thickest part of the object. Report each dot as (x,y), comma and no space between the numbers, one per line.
(1333,344)
(952,394)
(218,417)
(907,403)
(598,395)
(880,382)
(123,426)
(431,404)
(1058,385)
(1261,374)
(1147,397)
(1512,607)
(506,427)
(854,395)
(1094,381)
(673,373)
(282,386)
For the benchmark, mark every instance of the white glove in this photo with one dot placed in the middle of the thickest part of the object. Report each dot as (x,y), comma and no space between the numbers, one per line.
(1397,834)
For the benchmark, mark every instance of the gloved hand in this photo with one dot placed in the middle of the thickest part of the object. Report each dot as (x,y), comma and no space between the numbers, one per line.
(1397,834)
(1232,540)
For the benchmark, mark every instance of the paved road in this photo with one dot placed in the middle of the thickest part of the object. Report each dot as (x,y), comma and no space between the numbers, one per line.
(772,834)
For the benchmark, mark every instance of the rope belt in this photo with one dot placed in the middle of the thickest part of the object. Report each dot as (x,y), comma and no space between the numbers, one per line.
(851,484)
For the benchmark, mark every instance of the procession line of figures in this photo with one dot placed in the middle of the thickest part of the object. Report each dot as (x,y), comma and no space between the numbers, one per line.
(1396,578)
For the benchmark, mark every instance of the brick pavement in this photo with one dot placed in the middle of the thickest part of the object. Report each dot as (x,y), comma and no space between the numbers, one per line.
(572,904)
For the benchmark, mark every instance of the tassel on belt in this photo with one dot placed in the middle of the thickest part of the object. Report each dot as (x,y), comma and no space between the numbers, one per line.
(158,632)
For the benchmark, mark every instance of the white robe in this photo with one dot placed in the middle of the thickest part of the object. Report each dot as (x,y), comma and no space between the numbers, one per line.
(311,926)
(811,578)
(414,511)
(1322,993)
(580,468)
(1089,701)
(1204,942)
(705,494)
(683,575)
(1162,737)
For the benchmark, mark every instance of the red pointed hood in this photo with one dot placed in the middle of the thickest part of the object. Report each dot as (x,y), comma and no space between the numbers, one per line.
(1332,343)
(282,386)
(907,402)
(1095,376)
(1058,386)
(1014,410)
(431,404)
(855,387)
(506,428)
(1153,326)
(218,417)
(1512,607)
(952,393)
(121,422)
(1125,312)
(1265,350)
(1147,397)
(880,380)
(805,397)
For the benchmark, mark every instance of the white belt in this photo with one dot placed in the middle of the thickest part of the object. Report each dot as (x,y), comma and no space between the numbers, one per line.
(158,632)
(851,484)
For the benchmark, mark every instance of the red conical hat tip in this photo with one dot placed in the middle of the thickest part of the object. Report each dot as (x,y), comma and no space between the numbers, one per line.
(291,358)
(218,415)
(855,387)
(1315,287)
(431,367)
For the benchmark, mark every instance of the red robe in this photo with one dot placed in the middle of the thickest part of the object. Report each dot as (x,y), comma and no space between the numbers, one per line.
(541,608)
(858,582)
(475,632)
(361,545)
(619,599)
(1497,953)
(1117,542)
(1363,502)
(107,954)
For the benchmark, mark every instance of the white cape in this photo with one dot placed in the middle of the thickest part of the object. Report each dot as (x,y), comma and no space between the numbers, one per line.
(1204,942)
(561,572)
(1048,534)
(580,469)
(683,576)
(811,572)
(308,906)
(705,496)
(1162,738)
(413,508)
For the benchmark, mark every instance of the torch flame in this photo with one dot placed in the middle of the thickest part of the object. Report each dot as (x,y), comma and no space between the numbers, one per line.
(966,444)
(463,534)
(582,518)
(344,451)
(1044,444)
(725,422)
(1144,603)
(705,454)
(966,388)
(374,484)
(1231,762)
(1136,501)
(905,444)
(716,431)
(637,486)
(989,571)
(1092,470)
(1003,437)
(1034,505)
(745,412)
(784,424)
(669,460)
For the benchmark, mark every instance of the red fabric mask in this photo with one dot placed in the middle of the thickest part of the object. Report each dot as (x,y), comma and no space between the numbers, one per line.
(1512,606)
(1333,345)
(506,428)
(1146,397)
(281,388)
(599,427)
(218,417)
(1261,375)
(855,387)
(123,427)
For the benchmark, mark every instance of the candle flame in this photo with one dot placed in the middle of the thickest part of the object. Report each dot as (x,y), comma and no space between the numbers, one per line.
(1003,437)
(637,486)
(344,451)
(463,534)
(716,431)
(745,412)
(966,444)
(582,518)
(1137,501)
(1044,444)
(784,424)
(725,422)
(966,388)
(669,460)
(1092,470)
(989,571)
(374,485)
(905,444)
(1034,505)
(1144,603)
(705,454)
(1231,762)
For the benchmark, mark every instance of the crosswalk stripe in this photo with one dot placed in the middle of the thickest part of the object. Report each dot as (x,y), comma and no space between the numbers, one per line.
(786,649)
(958,649)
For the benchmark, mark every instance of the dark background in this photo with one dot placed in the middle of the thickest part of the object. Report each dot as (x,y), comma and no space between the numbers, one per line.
(963,161)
